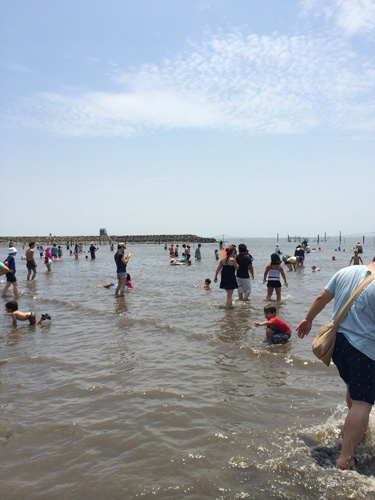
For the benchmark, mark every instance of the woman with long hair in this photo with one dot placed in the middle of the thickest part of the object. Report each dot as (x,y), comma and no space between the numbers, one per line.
(228,266)
(273,271)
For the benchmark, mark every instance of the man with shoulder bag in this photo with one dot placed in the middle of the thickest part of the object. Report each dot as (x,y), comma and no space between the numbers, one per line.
(354,349)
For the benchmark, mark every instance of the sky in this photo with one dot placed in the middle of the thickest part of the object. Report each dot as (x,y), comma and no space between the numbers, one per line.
(203,117)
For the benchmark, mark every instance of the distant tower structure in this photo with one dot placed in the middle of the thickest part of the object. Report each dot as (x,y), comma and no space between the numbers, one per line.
(103,231)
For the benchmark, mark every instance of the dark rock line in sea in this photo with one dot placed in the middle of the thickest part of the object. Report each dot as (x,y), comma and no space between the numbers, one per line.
(62,240)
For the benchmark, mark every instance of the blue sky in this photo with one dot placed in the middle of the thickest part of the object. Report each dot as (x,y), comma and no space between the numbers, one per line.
(171,116)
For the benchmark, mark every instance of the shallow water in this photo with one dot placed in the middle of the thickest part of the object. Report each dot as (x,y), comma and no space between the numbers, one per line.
(164,393)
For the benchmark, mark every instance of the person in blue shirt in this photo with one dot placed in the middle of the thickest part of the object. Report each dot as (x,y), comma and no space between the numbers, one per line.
(54,251)
(11,275)
(354,351)
(3,268)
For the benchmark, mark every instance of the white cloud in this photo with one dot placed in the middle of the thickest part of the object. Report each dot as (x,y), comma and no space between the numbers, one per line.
(246,83)
(350,16)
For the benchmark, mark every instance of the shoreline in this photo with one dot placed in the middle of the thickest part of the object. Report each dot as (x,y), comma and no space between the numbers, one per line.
(148,239)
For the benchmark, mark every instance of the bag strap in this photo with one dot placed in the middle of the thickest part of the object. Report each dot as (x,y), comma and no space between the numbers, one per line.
(344,311)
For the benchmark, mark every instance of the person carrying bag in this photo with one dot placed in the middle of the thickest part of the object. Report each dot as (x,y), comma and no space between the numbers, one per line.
(324,341)
(352,349)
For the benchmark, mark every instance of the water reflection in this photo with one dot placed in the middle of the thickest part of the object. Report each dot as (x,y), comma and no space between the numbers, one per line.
(120,305)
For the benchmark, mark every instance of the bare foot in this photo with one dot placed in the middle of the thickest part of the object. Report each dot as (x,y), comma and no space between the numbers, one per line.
(341,464)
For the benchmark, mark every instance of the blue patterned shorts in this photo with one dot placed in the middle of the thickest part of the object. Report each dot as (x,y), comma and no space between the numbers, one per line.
(356,369)
(278,337)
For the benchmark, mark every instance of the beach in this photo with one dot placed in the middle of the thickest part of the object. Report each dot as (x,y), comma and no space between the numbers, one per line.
(164,393)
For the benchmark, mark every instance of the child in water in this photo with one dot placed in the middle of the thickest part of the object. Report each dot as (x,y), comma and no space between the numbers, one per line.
(206,286)
(277,331)
(12,308)
(274,270)
(207,283)
(128,283)
(108,285)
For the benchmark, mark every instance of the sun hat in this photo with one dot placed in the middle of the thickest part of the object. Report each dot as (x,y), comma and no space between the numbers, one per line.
(12,250)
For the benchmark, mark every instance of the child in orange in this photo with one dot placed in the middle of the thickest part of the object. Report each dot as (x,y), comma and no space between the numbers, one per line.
(277,331)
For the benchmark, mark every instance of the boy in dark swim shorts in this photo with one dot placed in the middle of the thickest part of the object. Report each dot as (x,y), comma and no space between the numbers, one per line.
(277,331)
(12,308)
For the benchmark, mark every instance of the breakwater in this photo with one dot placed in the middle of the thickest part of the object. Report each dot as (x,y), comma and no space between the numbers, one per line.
(99,240)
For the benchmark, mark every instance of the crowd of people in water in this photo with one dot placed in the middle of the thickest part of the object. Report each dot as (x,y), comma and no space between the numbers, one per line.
(235,270)
(354,348)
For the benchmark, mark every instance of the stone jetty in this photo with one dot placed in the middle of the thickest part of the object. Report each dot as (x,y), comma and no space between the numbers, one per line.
(158,239)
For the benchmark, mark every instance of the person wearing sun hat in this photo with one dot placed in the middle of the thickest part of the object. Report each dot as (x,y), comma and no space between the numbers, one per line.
(11,276)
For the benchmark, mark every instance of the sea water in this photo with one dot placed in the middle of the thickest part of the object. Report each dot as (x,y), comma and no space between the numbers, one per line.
(165,394)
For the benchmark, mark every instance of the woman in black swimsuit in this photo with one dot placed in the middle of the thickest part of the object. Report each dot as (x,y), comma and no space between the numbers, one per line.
(228,266)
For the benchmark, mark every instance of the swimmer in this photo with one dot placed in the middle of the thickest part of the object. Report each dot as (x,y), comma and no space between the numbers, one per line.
(206,286)
(207,283)
(12,308)
(174,262)
(314,269)
(108,285)
(179,263)
(217,254)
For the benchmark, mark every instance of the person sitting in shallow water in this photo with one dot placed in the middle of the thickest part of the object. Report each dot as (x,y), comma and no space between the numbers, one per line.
(128,283)
(108,285)
(12,308)
(277,331)
(178,263)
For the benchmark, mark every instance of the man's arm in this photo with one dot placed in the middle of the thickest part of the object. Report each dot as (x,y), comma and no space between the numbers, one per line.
(251,269)
(316,307)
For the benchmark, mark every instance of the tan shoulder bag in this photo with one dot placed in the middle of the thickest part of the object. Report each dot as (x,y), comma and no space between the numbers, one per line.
(324,342)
